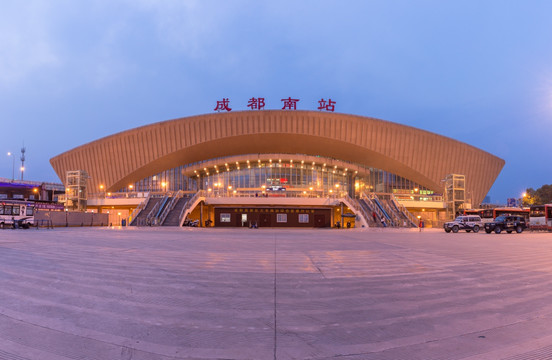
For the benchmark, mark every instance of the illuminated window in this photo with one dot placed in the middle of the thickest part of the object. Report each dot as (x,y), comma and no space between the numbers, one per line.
(303,218)
(281,218)
(225,217)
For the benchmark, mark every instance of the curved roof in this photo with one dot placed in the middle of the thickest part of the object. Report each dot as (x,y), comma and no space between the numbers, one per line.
(419,155)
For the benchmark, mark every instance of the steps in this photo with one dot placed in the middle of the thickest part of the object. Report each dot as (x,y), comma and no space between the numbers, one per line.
(172,218)
(140,220)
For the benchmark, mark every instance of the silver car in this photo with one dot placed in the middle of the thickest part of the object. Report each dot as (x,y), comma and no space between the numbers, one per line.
(467,222)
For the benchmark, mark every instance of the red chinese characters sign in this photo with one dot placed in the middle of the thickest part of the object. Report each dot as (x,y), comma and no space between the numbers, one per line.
(223,105)
(256,103)
(288,104)
(330,106)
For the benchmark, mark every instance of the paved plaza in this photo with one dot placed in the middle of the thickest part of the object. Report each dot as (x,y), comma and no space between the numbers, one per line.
(83,293)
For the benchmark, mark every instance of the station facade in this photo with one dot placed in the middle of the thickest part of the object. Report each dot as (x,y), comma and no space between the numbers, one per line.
(282,168)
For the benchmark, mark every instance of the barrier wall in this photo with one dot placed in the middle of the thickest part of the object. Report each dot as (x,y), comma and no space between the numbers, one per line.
(69,218)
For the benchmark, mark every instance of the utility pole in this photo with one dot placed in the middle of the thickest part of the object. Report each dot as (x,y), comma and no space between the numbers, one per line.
(22,161)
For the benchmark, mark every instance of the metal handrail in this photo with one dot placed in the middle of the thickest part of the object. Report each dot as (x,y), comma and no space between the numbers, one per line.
(357,208)
(390,212)
(139,208)
(404,210)
(151,214)
(374,207)
(188,203)
(170,206)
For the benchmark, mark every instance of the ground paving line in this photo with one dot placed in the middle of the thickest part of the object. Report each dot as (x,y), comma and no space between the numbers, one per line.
(275,301)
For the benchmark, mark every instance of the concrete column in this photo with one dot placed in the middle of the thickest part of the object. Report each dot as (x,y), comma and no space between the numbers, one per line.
(341,213)
(201,214)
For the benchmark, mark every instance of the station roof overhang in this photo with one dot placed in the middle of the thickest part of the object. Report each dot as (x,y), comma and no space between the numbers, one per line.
(418,155)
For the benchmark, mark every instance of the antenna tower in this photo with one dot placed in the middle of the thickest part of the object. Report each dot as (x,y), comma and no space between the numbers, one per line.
(22,161)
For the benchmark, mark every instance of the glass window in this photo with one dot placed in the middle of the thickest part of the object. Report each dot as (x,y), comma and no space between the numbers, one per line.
(281,218)
(224,217)
(303,218)
(1,210)
(7,209)
(29,211)
(15,210)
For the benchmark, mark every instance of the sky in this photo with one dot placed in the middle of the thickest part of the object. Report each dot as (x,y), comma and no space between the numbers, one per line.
(479,71)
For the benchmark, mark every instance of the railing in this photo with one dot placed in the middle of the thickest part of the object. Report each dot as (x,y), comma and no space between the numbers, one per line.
(179,194)
(185,208)
(418,197)
(404,210)
(48,224)
(357,208)
(150,218)
(294,193)
(374,207)
(121,195)
(392,216)
(139,209)
(372,221)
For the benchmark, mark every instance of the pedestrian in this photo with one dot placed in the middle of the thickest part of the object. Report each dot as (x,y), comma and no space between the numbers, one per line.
(383,222)
(374,216)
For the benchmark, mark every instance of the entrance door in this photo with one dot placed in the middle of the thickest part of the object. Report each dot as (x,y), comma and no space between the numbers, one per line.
(243,220)
(319,221)
(265,220)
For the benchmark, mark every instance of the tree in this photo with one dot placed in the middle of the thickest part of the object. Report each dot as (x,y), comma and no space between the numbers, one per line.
(542,195)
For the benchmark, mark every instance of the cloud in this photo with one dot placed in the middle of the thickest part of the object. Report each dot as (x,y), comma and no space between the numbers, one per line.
(25,45)
(187,26)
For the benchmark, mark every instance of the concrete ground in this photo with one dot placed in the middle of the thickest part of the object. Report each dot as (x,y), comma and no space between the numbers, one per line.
(274,294)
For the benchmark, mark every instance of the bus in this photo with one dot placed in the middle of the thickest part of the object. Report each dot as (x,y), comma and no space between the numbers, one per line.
(474,212)
(540,217)
(488,215)
(16,213)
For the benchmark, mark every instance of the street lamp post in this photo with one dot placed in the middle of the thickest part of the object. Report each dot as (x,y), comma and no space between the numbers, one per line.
(522,200)
(13,166)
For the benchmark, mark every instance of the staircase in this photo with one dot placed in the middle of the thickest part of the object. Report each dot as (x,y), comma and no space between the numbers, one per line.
(173,216)
(140,219)
(354,205)
(372,205)
(154,216)
(387,207)
(372,221)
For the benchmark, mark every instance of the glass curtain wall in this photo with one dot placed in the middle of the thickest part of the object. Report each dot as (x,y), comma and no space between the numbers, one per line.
(289,178)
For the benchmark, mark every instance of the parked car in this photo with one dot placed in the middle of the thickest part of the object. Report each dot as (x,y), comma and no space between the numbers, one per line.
(506,223)
(468,223)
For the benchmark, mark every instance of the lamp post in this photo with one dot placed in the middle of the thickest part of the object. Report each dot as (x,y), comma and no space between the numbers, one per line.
(523,197)
(13,166)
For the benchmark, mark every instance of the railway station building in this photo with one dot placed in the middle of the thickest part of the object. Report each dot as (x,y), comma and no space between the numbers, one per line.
(275,168)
